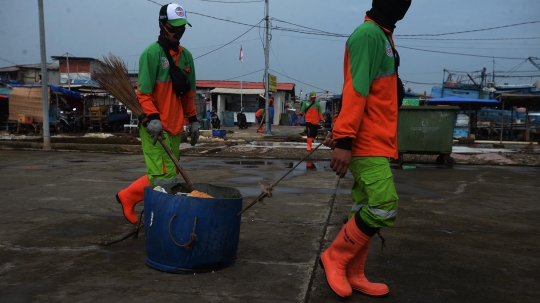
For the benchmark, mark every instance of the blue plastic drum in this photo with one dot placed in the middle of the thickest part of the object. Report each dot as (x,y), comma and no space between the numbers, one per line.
(189,234)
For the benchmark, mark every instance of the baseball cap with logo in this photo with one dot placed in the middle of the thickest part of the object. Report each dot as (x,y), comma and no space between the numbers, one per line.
(174,14)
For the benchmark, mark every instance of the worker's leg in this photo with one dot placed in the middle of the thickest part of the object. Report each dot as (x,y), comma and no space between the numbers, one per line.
(374,184)
(375,206)
(160,169)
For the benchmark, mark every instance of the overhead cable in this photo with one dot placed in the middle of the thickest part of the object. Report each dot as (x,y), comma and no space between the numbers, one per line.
(322,89)
(459,54)
(228,42)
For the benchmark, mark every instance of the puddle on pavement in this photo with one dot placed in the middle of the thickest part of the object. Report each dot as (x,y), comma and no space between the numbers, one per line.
(255,191)
(31,167)
(135,170)
(85,160)
(305,165)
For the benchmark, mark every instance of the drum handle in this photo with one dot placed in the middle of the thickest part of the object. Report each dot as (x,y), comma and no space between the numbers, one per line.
(192,237)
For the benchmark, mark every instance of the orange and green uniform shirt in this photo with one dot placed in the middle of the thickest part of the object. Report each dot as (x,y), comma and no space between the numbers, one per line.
(157,97)
(313,114)
(155,92)
(367,123)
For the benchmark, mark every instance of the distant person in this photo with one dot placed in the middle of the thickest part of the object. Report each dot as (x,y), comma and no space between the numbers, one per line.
(364,139)
(166,93)
(259,115)
(270,114)
(313,111)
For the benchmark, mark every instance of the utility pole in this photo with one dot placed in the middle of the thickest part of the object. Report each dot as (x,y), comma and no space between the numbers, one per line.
(44,80)
(267,65)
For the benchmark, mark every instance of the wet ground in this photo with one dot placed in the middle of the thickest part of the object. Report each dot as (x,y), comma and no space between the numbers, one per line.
(463,234)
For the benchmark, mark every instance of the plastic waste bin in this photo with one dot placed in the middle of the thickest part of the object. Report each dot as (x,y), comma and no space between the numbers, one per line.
(188,234)
(427,130)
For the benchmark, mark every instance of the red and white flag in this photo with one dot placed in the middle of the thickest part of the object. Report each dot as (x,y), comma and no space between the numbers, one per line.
(241,58)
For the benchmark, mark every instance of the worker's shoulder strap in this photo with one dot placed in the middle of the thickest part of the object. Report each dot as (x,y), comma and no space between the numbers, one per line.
(312,103)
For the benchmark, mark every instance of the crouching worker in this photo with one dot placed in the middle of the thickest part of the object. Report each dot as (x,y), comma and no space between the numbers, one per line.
(259,115)
(363,140)
(166,94)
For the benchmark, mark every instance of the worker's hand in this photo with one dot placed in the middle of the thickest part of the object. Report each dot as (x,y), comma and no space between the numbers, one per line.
(155,129)
(194,132)
(340,161)
(329,140)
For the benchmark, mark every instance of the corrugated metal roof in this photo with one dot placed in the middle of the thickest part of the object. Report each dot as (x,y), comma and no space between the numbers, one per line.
(236,84)
(237,91)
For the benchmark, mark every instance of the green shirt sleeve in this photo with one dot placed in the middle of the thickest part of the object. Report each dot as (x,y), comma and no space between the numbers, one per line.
(148,69)
(365,53)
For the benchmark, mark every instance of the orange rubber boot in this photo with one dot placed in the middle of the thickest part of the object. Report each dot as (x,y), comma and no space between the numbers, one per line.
(357,279)
(132,195)
(334,260)
(260,130)
(309,142)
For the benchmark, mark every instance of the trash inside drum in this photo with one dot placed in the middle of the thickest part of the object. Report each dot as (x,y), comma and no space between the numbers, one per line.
(189,234)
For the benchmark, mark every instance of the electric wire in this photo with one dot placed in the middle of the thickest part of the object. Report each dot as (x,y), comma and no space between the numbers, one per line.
(244,75)
(228,42)
(460,54)
(322,89)
(232,2)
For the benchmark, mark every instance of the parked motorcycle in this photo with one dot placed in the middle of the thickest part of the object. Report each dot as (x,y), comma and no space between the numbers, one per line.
(214,120)
(67,122)
(241,120)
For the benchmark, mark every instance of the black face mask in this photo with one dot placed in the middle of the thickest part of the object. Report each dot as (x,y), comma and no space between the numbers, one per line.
(164,36)
(388,12)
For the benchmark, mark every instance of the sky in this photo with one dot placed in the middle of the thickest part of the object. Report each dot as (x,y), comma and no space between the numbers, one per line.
(93,28)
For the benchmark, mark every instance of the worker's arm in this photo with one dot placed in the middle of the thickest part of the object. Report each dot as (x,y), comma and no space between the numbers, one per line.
(148,65)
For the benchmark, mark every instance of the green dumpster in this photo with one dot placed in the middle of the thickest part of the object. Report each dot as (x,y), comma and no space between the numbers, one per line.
(427,130)
(284,119)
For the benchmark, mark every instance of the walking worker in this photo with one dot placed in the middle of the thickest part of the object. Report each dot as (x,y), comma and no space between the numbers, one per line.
(313,111)
(363,140)
(166,94)
(259,115)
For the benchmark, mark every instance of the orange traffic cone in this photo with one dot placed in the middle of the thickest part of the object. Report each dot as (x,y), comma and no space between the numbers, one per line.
(334,260)
(132,195)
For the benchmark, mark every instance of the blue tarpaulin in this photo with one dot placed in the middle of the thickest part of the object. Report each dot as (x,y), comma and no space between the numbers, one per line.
(458,100)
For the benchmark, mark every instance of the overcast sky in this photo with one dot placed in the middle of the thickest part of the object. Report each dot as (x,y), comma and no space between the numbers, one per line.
(93,28)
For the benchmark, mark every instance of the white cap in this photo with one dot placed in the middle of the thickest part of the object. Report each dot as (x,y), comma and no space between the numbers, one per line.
(174,14)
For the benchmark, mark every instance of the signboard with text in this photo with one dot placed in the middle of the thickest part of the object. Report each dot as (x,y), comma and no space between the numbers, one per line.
(272,83)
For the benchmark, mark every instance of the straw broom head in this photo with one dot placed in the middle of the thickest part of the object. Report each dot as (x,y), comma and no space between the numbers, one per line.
(111,74)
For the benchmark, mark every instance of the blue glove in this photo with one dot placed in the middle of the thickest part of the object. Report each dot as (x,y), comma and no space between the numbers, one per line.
(194,132)
(154,128)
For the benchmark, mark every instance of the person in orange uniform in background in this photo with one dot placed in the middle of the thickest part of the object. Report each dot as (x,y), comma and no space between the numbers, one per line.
(313,111)
(259,115)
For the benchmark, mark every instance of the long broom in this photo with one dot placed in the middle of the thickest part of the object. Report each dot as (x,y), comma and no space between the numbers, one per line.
(111,74)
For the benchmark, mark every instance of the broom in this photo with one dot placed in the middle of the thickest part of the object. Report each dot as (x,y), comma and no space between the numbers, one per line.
(111,74)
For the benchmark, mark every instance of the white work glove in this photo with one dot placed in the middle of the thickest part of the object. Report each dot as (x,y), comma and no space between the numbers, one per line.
(194,132)
(154,128)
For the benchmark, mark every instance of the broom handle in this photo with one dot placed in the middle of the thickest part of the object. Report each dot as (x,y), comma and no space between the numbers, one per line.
(177,164)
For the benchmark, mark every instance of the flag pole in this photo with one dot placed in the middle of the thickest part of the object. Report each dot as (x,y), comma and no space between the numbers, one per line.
(241,70)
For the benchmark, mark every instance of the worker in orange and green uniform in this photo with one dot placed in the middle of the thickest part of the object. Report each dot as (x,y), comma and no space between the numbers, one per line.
(313,111)
(364,139)
(166,96)
(259,115)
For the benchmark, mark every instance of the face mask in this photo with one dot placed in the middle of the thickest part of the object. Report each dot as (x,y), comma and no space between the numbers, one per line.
(173,33)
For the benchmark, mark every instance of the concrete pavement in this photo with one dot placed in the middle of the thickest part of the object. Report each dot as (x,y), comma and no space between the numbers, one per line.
(466,234)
